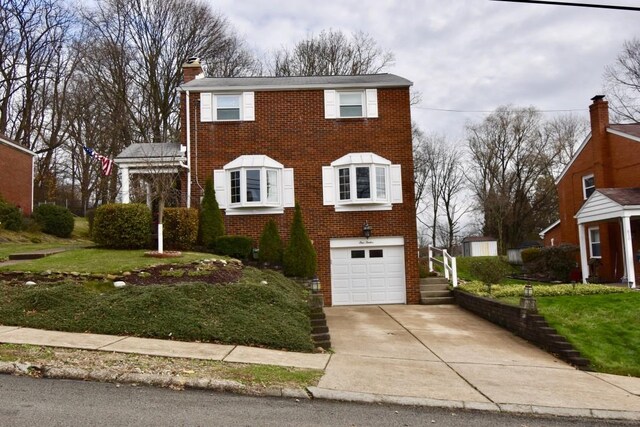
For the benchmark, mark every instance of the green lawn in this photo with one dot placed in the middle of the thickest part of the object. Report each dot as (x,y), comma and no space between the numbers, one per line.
(604,328)
(274,315)
(96,260)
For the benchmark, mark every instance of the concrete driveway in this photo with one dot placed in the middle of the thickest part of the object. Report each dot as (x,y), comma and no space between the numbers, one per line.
(446,353)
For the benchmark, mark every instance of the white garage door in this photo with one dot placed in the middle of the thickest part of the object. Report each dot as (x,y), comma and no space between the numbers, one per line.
(368,275)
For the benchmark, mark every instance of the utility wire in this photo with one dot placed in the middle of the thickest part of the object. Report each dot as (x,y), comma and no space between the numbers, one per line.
(566,3)
(450,110)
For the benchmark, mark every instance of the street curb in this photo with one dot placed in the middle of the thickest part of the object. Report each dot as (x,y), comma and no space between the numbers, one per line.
(358,397)
(154,380)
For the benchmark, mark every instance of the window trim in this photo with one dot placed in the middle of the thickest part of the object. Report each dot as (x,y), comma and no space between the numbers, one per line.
(217,96)
(273,178)
(362,105)
(585,188)
(368,99)
(592,242)
(390,182)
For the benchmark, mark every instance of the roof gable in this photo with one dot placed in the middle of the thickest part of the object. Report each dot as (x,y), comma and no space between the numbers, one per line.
(609,203)
(8,142)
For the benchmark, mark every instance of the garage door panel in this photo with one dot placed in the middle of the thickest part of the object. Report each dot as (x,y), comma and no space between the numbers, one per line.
(368,276)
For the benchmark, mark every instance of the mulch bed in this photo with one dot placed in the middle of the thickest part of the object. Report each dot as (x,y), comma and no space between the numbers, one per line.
(213,272)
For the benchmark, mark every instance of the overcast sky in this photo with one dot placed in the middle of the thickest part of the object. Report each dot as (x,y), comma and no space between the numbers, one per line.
(469,55)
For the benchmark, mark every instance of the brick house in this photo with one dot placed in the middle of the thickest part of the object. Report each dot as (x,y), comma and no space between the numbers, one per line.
(599,200)
(338,145)
(16,174)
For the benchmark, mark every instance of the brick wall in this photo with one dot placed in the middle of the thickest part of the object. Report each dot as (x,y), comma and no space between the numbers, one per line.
(290,128)
(532,327)
(614,162)
(16,177)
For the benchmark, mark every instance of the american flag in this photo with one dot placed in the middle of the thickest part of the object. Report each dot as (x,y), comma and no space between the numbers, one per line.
(105,162)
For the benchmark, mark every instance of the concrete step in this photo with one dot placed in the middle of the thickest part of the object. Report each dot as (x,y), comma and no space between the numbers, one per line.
(35,254)
(437,301)
(433,281)
(436,287)
(431,294)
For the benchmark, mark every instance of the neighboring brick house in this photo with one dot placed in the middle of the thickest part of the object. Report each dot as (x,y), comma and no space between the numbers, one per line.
(599,200)
(338,145)
(16,174)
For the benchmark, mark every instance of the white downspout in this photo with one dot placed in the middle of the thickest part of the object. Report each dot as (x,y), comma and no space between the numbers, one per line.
(188,152)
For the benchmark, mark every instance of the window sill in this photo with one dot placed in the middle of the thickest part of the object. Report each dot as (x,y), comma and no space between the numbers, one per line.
(266,210)
(361,207)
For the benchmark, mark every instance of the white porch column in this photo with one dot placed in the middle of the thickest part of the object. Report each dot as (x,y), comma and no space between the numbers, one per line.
(628,251)
(124,181)
(584,263)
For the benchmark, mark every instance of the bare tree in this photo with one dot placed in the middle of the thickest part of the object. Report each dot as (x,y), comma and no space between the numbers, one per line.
(565,133)
(509,156)
(331,53)
(622,82)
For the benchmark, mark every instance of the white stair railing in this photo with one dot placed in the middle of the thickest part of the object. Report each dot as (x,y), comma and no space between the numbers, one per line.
(448,263)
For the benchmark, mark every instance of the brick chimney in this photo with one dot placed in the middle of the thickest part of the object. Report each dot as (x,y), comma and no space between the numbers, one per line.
(599,112)
(191,69)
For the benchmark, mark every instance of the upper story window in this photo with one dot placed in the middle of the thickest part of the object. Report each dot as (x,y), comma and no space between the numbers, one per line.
(362,181)
(219,107)
(588,186)
(594,242)
(350,103)
(254,185)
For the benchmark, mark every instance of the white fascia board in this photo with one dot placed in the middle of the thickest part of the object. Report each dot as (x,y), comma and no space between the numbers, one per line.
(624,135)
(312,86)
(351,242)
(549,228)
(575,156)
(16,146)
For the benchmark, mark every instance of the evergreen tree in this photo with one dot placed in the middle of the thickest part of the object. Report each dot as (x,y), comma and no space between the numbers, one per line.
(211,221)
(300,259)
(271,247)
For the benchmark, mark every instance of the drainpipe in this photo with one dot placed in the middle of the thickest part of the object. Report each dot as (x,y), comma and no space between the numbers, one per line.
(188,153)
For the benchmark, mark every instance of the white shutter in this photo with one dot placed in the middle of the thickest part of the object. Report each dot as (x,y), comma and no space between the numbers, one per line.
(372,102)
(206,107)
(288,198)
(330,104)
(220,185)
(396,184)
(248,106)
(328,189)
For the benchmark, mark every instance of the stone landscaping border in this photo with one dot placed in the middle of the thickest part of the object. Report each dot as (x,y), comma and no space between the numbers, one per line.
(531,326)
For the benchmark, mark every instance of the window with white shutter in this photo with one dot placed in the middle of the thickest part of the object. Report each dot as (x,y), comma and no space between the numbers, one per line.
(350,103)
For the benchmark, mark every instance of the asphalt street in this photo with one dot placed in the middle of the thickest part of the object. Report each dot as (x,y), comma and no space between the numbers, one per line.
(27,401)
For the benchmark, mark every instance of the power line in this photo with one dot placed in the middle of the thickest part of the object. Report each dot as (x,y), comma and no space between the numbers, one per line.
(452,110)
(566,3)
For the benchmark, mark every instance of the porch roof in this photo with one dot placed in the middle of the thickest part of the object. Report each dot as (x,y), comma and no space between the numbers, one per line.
(151,155)
(610,203)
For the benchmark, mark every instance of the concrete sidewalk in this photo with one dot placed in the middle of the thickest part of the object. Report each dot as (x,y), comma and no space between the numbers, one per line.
(445,356)
(166,348)
(411,355)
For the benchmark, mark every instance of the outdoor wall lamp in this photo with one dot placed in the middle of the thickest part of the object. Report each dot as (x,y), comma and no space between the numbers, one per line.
(366,230)
(315,285)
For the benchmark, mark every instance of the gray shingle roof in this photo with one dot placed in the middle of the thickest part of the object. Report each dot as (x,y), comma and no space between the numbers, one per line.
(632,129)
(293,83)
(622,196)
(154,150)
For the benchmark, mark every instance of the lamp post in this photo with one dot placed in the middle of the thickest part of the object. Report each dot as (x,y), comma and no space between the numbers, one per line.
(527,301)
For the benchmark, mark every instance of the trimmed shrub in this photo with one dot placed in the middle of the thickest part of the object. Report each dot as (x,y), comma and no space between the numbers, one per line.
(122,226)
(180,228)
(490,270)
(300,259)
(211,220)
(10,216)
(234,246)
(270,245)
(540,290)
(552,262)
(55,220)
(530,254)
